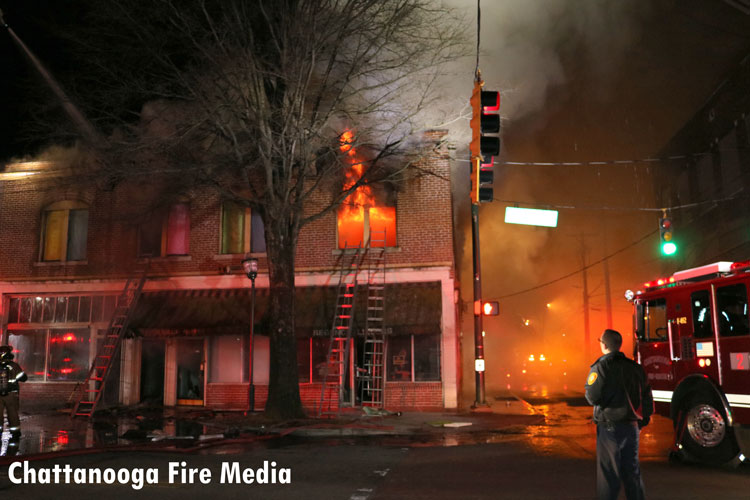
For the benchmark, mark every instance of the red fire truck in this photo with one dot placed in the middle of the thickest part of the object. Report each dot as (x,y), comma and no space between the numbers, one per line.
(692,336)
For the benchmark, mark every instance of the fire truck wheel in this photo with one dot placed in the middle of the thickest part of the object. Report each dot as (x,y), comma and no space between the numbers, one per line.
(704,431)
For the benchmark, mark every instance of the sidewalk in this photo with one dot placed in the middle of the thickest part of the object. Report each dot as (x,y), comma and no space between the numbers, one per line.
(54,432)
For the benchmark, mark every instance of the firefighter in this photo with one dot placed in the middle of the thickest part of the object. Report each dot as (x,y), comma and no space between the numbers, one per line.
(618,389)
(10,375)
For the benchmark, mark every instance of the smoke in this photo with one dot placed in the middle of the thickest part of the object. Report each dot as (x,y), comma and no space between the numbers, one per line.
(528,47)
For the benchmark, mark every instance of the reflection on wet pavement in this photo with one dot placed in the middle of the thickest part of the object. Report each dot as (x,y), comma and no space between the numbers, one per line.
(563,429)
(569,431)
(55,432)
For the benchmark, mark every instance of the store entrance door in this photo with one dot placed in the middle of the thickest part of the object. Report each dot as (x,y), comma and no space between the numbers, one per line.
(190,372)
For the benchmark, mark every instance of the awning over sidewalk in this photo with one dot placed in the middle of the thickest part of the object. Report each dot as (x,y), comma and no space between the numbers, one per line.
(409,308)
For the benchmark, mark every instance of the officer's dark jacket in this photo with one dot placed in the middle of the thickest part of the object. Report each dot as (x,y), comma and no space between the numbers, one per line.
(618,389)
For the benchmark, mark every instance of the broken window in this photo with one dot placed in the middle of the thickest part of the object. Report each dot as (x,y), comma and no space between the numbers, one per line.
(369,211)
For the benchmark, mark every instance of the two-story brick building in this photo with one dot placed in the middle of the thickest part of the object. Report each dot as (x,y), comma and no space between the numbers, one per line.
(68,247)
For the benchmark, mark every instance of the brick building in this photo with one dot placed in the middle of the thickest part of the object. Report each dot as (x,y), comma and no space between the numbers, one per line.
(68,249)
(709,177)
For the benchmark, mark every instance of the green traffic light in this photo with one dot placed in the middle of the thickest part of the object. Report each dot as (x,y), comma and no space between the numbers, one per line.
(669,248)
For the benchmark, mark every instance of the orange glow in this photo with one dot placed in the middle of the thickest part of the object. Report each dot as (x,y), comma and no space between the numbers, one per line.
(351,214)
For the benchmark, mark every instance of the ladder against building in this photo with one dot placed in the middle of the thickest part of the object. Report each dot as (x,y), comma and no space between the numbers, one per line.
(339,346)
(89,393)
(371,377)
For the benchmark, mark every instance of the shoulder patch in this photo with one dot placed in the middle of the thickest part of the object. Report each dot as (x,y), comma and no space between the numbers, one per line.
(592,378)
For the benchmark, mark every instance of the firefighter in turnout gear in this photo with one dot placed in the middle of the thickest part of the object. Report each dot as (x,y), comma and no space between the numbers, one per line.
(618,389)
(10,375)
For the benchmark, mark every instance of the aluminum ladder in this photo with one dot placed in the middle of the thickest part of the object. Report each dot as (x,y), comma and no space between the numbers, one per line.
(90,392)
(339,346)
(372,373)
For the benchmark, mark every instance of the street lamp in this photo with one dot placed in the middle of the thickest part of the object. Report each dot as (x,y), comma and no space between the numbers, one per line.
(250,265)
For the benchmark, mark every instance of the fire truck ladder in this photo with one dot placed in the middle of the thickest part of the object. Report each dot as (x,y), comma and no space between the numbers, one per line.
(90,392)
(372,377)
(339,346)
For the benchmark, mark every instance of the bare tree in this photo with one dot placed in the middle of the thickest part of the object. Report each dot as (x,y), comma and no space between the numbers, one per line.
(251,97)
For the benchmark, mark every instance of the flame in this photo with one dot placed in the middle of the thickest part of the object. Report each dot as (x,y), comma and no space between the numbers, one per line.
(351,215)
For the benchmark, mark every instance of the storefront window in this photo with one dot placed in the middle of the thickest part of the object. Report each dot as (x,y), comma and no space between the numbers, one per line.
(319,346)
(30,351)
(64,353)
(68,354)
(303,361)
(427,357)
(399,358)
(229,358)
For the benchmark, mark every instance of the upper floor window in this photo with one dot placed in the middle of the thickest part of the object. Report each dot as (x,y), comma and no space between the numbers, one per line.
(370,211)
(166,233)
(64,232)
(241,230)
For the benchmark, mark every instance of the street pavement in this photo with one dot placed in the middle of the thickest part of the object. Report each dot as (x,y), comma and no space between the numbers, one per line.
(516,450)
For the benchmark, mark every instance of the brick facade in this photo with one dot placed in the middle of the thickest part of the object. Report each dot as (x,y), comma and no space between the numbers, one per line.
(423,253)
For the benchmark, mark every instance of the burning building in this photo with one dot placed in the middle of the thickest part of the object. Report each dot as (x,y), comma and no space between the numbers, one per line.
(69,249)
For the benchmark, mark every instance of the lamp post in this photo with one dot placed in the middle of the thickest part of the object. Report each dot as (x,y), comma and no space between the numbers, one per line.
(250,265)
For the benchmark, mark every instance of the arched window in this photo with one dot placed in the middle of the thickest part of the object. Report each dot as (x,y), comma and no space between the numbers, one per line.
(64,232)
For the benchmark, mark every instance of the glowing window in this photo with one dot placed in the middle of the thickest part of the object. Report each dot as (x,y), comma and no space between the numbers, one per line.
(64,232)
(369,212)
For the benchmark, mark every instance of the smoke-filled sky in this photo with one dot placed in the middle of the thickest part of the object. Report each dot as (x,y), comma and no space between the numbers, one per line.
(581,81)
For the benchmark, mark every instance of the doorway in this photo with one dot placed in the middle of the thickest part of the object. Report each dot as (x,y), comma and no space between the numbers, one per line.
(152,371)
(190,372)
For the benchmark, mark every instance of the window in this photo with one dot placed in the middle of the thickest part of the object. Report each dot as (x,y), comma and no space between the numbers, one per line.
(701,308)
(413,358)
(241,231)
(61,309)
(652,320)
(229,361)
(370,210)
(64,232)
(731,302)
(166,233)
(52,354)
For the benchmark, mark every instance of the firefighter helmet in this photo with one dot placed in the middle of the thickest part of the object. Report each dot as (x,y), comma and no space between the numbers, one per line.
(6,352)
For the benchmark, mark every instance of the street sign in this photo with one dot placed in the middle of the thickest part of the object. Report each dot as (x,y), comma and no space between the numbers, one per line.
(531,216)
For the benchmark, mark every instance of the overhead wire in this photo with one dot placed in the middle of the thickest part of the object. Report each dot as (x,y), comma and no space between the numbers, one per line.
(580,270)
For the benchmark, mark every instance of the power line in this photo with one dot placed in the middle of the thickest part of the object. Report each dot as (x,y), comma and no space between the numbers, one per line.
(625,209)
(542,285)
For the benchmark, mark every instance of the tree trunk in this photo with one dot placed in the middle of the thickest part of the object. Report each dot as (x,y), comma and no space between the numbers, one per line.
(283,389)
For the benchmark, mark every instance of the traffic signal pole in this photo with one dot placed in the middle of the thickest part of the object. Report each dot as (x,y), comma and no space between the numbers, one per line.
(484,146)
(478,329)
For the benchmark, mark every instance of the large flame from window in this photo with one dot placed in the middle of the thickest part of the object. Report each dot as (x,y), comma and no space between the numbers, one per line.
(361,213)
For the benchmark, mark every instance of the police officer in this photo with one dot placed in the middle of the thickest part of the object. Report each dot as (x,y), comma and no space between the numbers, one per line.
(10,375)
(619,391)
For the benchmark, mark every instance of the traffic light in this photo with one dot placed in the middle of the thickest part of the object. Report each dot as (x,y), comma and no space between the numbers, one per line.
(491,308)
(483,147)
(666,236)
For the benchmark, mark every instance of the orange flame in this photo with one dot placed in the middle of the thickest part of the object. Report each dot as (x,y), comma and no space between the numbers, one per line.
(361,202)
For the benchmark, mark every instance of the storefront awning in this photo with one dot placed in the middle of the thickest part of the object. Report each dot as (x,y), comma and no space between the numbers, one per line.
(409,308)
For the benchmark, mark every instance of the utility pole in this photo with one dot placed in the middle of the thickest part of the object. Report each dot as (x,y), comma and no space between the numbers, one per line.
(586,326)
(607,293)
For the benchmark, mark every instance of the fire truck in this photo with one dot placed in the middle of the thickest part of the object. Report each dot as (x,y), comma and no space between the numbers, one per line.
(692,337)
